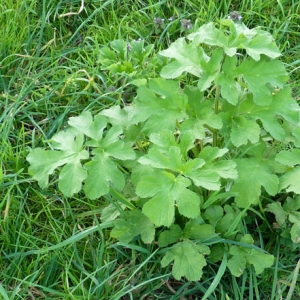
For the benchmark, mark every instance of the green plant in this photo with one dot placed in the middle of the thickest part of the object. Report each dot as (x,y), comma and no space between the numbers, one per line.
(185,162)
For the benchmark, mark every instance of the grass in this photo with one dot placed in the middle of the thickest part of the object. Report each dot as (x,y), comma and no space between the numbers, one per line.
(53,247)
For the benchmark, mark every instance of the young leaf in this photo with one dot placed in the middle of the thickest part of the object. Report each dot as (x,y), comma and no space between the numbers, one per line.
(163,140)
(188,57)
(200,114)
(165,88)
(211,69)
(43,163)
(254,41)
(131,224)
(226,79)
(210,35)
(260,260)
(71,177)
(292,204)
(295,230)
(111,212)
(206,178)
(208,175)
(230,216)
(187,142)
(213,214)
(102,169)
(288,211)
(152,184)
(237,263)
(188,260)
(280,214)
(224,168)
(211,153)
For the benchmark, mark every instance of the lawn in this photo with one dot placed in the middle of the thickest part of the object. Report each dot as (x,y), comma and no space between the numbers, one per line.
(61,58)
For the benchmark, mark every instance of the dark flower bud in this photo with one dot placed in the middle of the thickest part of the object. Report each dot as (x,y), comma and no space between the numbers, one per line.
(235,16)
(158,21)
(186,24)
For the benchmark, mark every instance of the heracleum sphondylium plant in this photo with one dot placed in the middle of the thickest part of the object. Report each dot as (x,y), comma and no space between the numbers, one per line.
(190,159)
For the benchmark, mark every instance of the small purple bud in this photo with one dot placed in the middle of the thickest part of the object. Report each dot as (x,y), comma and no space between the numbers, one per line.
(186,24)
(235,16)
(158,21)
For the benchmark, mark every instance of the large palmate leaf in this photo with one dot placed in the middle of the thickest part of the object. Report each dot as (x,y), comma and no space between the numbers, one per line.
(99,173)
(294,218)
(253,174)
(208,175)
(165,190)
(160,108)
(131,224)
(243,255)
(255,41)
(192,230)
(68,151)
(244,130)
(243,119)
(188,260)
(257,74)
(118,116)
(262,43)
(102,169)
(289,158)
(102,172)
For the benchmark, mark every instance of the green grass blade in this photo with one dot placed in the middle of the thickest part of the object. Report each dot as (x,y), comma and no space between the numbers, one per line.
(217,278)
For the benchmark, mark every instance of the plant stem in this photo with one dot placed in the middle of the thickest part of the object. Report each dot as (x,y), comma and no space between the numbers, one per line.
(217,98)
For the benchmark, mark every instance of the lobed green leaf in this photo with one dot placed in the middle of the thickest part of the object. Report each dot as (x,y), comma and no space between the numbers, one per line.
(253,173)
(131,224)
(188,260)
(241,256)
